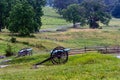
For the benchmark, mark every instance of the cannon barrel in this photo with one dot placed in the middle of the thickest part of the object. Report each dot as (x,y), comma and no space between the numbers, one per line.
(61,50)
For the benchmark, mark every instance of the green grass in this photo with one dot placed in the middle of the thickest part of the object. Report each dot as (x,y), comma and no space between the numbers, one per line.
(51,19)
(90,66)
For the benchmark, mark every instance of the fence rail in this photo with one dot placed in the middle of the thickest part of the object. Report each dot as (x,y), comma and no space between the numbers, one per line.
(101,49)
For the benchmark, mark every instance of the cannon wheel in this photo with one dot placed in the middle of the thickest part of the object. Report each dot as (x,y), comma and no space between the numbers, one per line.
(59,57)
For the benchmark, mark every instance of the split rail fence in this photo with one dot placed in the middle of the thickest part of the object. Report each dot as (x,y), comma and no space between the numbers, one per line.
(100,49)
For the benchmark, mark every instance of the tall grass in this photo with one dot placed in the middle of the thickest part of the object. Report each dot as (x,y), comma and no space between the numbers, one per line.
(77,38)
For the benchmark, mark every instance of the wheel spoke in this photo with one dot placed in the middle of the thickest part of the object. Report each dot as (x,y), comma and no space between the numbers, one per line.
(59,57)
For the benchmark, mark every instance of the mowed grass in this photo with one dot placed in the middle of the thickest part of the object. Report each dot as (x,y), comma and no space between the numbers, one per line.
(52,19)
(90,66)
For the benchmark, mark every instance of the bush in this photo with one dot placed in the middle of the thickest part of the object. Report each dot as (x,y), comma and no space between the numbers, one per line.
(13,39)
(9,51)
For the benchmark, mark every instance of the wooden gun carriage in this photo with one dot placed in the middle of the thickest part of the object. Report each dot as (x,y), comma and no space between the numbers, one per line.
(58,55)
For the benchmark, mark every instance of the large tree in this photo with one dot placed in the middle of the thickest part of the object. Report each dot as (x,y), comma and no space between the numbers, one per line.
(7,5)
(2,7)
(37,6)
(116,10)
(74,13)
(62,4)
(96,11)
(89,12)
(21,19)
(5,8)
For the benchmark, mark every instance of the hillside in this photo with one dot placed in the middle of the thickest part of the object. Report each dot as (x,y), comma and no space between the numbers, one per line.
(51,19)
(89,66)
(72,38)
(85,66)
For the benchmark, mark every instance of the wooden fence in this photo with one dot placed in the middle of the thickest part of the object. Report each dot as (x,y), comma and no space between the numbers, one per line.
(101,49)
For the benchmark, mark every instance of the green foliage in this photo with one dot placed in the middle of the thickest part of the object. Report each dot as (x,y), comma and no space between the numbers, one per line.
(13,39)
(74,13)
(5,8)
(116,11)
(2,7)
(21,19)
(9,51)
(61,4)
(37,6)
(88,12)
(96,11)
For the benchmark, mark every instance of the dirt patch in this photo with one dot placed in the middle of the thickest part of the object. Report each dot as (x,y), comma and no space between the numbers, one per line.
(84,30)
(3,66)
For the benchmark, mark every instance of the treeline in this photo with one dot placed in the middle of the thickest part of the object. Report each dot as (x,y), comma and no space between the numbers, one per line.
(112,5)
(21,16)
(24,16)
(87,11)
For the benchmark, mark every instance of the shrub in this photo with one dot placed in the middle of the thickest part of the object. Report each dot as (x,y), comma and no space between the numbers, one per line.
(9,51)
(13,39)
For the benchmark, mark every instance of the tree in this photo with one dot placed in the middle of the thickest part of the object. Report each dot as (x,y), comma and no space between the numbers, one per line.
(116,11)
(73,14)
(21,19)
(5,8)
(96,11)
(2,7)
(37,6)
(62,4)
(7,5)
(88,12)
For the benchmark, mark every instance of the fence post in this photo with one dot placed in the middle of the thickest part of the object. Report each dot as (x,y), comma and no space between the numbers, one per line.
(106,49)
(118,49)
(85,49)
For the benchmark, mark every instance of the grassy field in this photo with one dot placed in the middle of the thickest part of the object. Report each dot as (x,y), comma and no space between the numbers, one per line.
(89,66)
(52,20)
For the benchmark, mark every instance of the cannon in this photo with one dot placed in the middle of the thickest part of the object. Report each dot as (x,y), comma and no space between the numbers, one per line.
(24,52)
(58,55)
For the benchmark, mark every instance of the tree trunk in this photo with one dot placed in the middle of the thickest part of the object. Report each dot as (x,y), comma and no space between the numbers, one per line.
(0,27)
(74,26)
(93,24)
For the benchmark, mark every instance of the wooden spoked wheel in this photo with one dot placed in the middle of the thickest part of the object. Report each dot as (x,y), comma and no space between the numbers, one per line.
(59,56)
